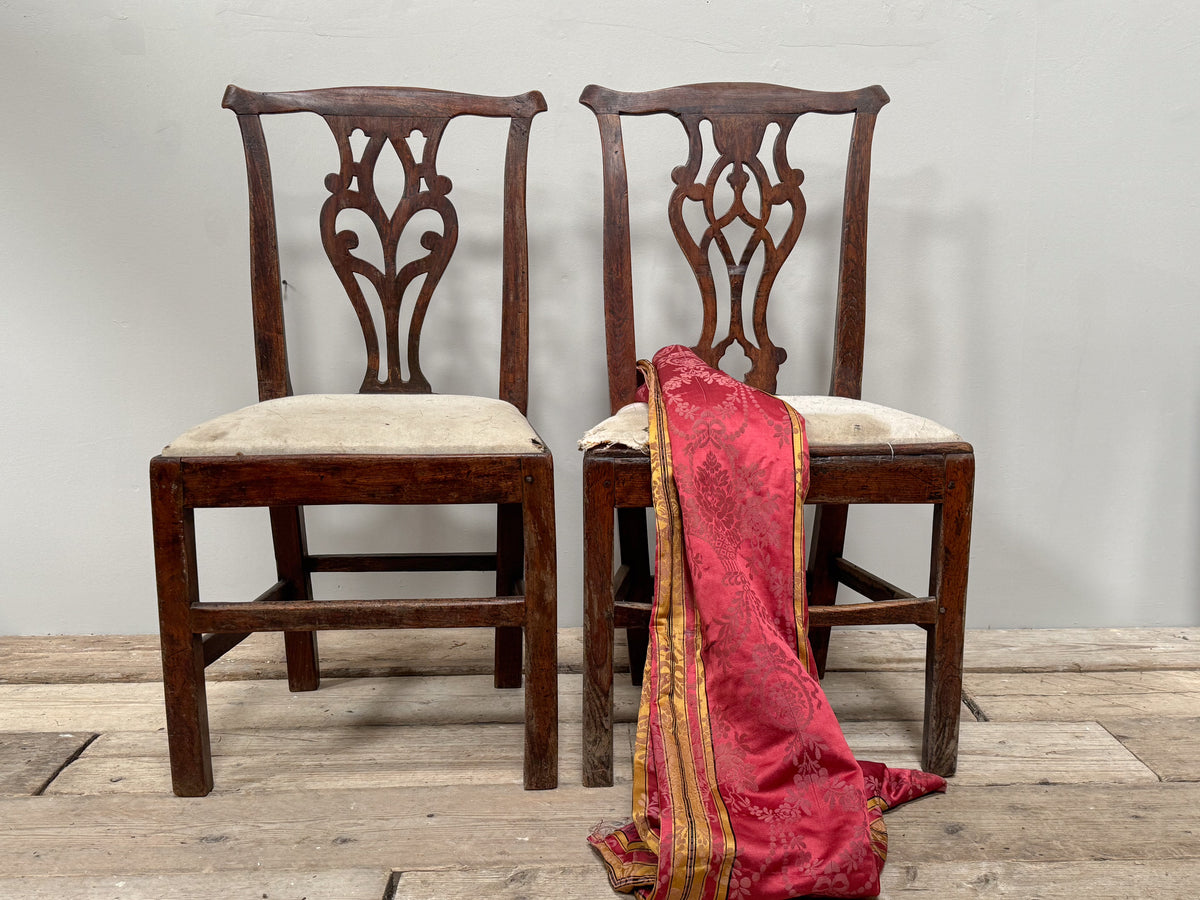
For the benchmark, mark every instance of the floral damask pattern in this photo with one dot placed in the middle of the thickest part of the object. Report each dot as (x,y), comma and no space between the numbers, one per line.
(744,786)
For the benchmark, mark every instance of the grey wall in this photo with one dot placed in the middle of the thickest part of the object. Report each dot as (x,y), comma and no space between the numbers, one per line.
(1033,275)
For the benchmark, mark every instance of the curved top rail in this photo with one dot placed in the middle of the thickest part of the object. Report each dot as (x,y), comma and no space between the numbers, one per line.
(382,101)
(731,98)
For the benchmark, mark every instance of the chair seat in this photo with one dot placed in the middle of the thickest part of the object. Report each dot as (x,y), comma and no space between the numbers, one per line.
(829,422)
(393,424)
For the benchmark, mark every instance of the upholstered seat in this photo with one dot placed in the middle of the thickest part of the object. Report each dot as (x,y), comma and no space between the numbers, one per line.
(829,422)
(362,423)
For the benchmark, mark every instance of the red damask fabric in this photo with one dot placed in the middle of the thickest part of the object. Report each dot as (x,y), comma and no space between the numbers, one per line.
(744,787)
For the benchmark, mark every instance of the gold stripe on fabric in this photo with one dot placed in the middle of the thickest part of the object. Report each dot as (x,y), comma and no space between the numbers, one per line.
(691,876)
(666,511)
(799,584)
(724,872)
(669,627)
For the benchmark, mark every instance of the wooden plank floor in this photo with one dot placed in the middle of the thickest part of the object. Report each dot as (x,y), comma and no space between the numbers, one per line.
(400,778)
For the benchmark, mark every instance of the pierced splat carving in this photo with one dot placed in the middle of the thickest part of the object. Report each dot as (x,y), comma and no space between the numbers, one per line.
(353,188)
(738,140)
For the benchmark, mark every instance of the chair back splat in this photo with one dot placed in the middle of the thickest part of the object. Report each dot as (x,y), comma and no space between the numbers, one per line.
(739,115)
(387,118)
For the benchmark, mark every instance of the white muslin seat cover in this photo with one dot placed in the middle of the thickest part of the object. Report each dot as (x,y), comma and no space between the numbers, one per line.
(829,422)
(395,424)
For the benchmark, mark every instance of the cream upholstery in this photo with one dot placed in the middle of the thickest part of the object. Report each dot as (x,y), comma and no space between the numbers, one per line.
(829,421)
(363,423)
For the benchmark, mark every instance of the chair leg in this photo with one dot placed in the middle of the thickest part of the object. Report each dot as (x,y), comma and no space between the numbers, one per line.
(510,554)
(300,647)
(598,503)
(951,547)
(632,534)
(828,541)
(541,627)
(182,651)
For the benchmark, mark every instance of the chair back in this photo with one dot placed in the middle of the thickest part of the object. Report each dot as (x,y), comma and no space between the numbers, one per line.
(739,115)
(386,115)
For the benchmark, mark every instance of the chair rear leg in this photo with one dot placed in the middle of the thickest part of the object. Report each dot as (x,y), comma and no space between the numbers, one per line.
(633,534)
(541,627)
(598,500)
(828,541)
(951,548)
(510,560)
(291,547)
(182,651)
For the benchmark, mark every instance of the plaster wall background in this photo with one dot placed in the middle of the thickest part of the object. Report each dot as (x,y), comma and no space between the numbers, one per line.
(1033,272)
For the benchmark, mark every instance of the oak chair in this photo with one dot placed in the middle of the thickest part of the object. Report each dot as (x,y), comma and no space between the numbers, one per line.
(395,442)
(860,452)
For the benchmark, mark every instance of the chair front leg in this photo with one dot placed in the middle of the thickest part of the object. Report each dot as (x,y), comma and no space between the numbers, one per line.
(291,547)
(510,559)
(541,626)
(182,650)
(951,549)
(828,541)
(598,509)
(635,556)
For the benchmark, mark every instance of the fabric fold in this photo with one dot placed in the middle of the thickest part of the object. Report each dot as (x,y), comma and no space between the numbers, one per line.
(744,787)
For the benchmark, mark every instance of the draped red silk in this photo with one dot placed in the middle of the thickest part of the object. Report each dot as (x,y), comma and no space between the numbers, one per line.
(743,786)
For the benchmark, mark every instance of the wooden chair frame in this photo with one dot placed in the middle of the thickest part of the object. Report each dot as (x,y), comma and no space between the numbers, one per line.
(195,633)
(617,481)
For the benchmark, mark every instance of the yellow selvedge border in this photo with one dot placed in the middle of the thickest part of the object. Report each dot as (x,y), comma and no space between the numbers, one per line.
(705,871)
(799,575)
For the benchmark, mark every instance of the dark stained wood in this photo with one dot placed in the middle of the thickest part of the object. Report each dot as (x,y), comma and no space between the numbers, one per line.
(523,612)
(638,587)
(514,319)
(217,645)
(291,546)
(353,187)
(541,624)
(913,611)
(732,98)
(312,480)
(456,612)
(836,479)
(866,583)
(599,501)
(510,573)
(618,481)
(182,648)
(382,101)
(266,284)
(396,562)
(950,552)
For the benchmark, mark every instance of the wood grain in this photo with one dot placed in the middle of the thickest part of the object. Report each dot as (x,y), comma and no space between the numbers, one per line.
(323,795)
(412,700)
(365,883)
(1105,880)
(468,651)
(1169,747)
(1088,696)
(30,760)
(430,827)
(284,759)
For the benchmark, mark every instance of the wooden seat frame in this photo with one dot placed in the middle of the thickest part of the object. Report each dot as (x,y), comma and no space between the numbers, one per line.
(195,633)
(617,480)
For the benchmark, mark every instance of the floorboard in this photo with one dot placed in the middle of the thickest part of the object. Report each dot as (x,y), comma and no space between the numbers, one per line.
(29,762)
(1078,780)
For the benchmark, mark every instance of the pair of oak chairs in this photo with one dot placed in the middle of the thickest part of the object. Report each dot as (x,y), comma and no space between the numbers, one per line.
(397,442)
